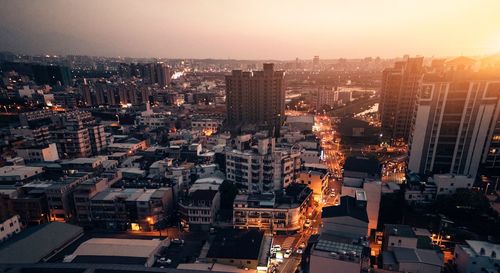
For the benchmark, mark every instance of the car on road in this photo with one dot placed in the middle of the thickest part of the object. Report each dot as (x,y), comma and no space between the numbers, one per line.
(164,260)
(276,248)
(300,250)
(177,241)
(288,253)
(307,224)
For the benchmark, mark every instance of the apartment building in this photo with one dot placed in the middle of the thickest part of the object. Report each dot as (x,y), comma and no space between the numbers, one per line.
(136,209)
(256,97)
(399,93)
(277,212)
(456,125)
(41,153)
(262,167)
(199,209)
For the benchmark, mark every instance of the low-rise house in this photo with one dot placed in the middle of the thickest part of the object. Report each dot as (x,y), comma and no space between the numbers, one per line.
(12,175)
(9,227)
(316,179)
(339,254)
(476,256)
(348,219)
(46,153)
(198,211)
(240,248)
(448,184)
(362,167)
(412,260)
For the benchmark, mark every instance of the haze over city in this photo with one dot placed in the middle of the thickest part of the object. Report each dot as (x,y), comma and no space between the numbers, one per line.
(279,136)
(223,29)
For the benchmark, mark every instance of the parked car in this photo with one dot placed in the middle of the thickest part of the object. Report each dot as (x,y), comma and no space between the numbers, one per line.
(177,241)
(276,248)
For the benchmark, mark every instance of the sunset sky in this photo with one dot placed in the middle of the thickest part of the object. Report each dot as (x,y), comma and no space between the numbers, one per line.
(251,29)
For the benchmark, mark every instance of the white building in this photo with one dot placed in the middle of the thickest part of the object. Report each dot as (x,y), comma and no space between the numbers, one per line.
(262,168)
(455,126)
(449,183)
(477,256)
(9,227)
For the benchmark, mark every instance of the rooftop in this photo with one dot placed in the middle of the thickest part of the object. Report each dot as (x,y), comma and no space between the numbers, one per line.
(410,255)
(362,164)
(34,244)
(236,244)
(110,247)
(488,247)
(347,207)
(127,194)
(399,230)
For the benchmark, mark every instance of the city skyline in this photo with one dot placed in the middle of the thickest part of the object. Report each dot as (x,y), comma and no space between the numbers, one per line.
(257,30)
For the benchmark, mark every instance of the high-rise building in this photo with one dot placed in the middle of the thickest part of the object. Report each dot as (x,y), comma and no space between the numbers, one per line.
(326,96)
(456,127)
(398,97)
(163,74)
(255,98)
(316,65)
(52,74)
(78,135)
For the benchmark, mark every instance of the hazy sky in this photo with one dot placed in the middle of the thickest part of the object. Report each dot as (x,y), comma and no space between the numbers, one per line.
(251,29)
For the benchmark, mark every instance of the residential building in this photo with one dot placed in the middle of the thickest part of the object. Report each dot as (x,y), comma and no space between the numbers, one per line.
(412,260)
(362,168)
(9,227)
(256,98)
(399,236)
(476,256)
(456,124)
(326,97)
(316,179)
(32,135)
(263,167)
(349,219)
(199,209)
(136,209)
(12,175)
(78,135)
(45,153)
(398,97)
(419,192)
(269,211)
(240,248)
(82,195)
(371,191)
(448,184)
(338,254)
(208,125)
(36,118)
